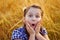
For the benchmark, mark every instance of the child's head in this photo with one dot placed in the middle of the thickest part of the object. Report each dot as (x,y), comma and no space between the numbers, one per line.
(33,15)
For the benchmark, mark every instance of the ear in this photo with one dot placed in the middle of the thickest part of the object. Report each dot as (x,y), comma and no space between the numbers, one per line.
(41,21)
(24,20)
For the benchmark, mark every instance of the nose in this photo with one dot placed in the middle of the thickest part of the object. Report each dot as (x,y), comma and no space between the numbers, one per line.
(33,19)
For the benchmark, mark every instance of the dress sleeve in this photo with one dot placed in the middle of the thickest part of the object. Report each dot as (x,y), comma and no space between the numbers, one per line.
(43,31)
(16,35)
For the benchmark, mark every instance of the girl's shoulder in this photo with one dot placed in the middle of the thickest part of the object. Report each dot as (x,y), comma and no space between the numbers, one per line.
(20,29)
(19,33)
(43,30)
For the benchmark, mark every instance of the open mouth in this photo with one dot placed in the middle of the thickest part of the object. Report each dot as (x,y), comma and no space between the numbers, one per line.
(33,24)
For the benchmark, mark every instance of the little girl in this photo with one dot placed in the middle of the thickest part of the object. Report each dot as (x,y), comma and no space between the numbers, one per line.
(32,29)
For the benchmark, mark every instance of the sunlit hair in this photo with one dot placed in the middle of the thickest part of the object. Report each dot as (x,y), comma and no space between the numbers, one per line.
(34,6)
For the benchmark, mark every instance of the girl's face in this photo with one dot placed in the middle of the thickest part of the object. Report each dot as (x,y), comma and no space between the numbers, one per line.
(33,16)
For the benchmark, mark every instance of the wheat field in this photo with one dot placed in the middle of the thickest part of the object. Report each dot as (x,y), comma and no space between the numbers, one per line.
(11,15)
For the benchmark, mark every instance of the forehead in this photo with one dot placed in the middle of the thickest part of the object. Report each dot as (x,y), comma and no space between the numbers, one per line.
(34,11)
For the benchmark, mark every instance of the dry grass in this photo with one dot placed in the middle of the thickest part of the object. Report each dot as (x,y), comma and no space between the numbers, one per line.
(11,15)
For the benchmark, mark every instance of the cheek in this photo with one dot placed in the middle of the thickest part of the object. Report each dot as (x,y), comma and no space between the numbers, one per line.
(27,19)
(39,19)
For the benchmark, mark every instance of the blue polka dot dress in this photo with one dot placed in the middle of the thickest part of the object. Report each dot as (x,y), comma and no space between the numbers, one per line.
(22,34)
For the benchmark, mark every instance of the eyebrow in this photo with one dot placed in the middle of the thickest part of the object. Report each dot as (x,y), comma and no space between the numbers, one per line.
(30,13)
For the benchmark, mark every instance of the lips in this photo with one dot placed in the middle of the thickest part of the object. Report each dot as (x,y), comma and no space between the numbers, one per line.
(33,26)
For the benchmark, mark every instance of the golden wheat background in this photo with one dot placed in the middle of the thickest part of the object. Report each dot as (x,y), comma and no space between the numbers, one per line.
(11,14)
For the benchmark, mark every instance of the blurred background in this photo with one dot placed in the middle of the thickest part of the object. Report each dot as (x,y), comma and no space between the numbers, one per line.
(11,15)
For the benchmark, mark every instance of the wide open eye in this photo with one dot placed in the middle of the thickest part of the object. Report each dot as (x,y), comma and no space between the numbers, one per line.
(37,16)
(30,15)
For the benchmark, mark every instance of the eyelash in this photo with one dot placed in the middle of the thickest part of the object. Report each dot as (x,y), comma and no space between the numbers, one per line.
(35,16)
(30,15)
